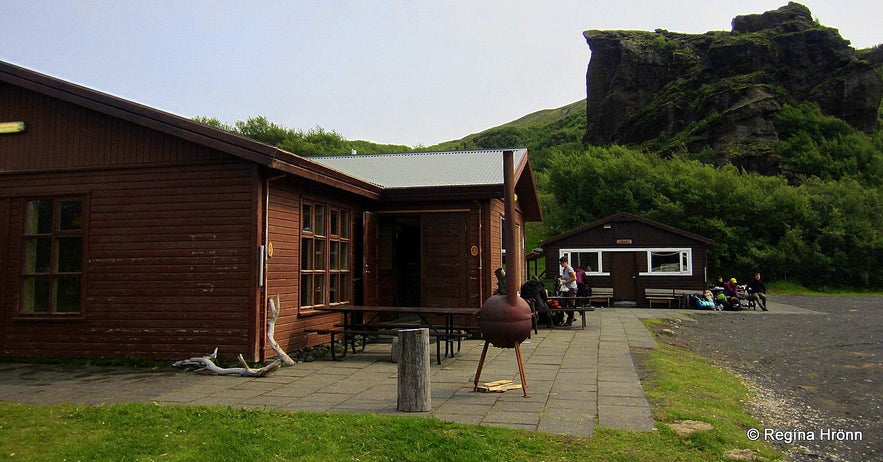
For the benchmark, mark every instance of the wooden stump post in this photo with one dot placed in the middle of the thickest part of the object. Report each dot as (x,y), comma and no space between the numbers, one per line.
(414,389)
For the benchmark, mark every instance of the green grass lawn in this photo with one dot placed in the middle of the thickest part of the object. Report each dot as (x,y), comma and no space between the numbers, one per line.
(679,384)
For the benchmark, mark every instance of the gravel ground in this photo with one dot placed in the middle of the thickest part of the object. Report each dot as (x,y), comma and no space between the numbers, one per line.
(817,376)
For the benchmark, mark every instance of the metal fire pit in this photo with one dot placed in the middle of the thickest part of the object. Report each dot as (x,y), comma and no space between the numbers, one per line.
(506,320)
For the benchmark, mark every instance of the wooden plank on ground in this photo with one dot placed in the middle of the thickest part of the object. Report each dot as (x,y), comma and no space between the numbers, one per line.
(498,386)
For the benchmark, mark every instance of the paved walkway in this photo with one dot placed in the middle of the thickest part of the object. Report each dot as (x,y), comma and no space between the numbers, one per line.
(577,379)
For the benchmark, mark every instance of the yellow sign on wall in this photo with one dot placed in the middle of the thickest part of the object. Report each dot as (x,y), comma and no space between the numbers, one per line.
(12,127)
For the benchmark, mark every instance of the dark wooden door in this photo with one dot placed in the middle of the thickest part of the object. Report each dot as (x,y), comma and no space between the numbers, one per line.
(371,260)
(624,274)
(443,263)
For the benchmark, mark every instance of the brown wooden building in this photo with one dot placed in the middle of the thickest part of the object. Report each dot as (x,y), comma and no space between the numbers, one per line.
(126,231)
(630,254)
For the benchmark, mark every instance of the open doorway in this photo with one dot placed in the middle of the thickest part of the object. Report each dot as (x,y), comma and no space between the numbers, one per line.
(405,243)
(417,259)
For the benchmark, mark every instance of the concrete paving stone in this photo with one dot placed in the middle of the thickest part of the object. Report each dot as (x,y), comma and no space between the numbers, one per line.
(464,408)
(619,389)
(583,400)
(532,406)
(440,393)
(576,377)
(511,417)
(331,398)
(292,391)
(538,360)
(346,387)
(366,405)
(620,376)
(625,417)
(565,426)
(379,392)
(242,394)
(633,401)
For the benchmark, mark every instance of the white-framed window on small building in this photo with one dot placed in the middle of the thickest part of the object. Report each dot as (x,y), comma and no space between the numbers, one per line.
(669,261)
(588,260)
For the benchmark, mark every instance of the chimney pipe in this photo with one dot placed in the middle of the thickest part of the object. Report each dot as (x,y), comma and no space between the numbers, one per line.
(512,257)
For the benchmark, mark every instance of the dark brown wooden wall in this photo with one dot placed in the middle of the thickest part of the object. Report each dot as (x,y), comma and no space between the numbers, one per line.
(168,270)
(283,276)
(172,236)
(60,135)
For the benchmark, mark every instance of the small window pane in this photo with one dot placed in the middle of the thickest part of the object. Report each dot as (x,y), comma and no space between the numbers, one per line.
(344,224)
(70,254)
(333,289)
(344,287)
(345,255)
(307,218)
(334,255)
(306,254)
(319,289)
(306,289)
(319,254)
(38,217)
(319,221)
(668,262)
(588,261)
(37,295)
(71,216)
(38,255)
(335,223)
(68,293)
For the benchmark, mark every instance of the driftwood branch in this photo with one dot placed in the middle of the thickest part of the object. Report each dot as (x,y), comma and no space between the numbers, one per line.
(198,364)
(271,335)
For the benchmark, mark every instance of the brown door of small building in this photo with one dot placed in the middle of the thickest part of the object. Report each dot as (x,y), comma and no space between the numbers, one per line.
(443,264)
(371,260)
(624,274)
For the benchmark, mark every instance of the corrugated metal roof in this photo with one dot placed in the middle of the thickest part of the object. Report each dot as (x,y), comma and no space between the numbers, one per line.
(416,169)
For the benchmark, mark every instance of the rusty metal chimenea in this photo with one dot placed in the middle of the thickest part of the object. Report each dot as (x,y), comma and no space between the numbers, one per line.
(506,320)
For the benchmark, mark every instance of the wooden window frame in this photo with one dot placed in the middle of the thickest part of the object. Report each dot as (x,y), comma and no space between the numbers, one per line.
(326,256)
(53,273)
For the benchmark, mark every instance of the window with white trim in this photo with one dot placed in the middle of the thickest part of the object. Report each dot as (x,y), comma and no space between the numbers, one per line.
(669,261)
(588,260)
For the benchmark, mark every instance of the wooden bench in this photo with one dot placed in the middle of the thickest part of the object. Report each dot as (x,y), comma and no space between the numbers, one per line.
(667,296)
(601,295)
(350,333)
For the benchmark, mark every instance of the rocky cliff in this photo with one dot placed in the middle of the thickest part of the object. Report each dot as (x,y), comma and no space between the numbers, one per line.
(718,90)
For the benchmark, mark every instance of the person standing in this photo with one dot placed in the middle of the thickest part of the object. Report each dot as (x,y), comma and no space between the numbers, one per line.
(568,281)
(757,291)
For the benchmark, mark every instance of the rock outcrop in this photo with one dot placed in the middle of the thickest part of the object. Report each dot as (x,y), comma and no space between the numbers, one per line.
(718,90)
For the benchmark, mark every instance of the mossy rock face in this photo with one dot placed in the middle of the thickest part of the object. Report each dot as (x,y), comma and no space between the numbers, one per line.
(715,90)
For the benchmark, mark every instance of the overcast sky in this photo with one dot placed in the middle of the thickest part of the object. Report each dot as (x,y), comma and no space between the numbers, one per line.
(402,72)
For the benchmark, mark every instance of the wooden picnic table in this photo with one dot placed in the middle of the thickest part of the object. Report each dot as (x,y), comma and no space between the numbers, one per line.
(581,304)
(355,324)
